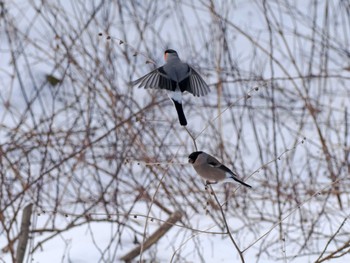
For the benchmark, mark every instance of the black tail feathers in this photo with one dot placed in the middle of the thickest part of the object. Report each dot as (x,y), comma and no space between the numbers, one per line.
(180,113)
(241,182)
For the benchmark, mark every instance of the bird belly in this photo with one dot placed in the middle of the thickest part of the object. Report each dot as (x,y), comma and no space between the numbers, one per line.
(211,174)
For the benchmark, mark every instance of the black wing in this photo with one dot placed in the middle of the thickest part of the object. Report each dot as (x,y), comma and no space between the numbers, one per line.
(222,167)
(156,79)
(194,84)
(215,163)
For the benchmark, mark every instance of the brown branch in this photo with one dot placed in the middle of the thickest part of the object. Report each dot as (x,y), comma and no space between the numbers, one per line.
(240,253)
(23,235)
(320,259)
(176,216)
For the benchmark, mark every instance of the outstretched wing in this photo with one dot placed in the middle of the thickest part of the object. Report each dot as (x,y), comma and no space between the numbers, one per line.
(194,84)
(156,79)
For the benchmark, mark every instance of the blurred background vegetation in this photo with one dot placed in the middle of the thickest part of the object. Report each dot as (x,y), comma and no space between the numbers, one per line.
(84,147)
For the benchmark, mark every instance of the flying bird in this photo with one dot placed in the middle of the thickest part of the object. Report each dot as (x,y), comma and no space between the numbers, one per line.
(209,168)
(176,77)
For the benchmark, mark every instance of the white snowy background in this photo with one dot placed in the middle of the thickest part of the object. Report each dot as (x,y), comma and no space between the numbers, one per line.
(104,164)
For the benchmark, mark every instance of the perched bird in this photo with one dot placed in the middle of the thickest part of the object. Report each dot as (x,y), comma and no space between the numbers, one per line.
(176,77)
(211,169)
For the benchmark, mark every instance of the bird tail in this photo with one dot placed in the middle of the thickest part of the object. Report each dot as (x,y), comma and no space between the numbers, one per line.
(180,113)
(241,182)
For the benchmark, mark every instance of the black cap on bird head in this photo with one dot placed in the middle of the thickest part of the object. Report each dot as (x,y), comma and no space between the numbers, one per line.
(193,156)
(169,51)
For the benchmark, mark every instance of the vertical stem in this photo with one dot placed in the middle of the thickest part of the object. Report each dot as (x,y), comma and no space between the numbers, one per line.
(23,235)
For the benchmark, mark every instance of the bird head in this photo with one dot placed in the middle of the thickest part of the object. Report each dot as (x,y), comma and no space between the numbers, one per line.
(170,52)
(193,156)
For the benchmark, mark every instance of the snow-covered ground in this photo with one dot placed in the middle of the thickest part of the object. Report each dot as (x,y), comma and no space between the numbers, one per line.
(88,156)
